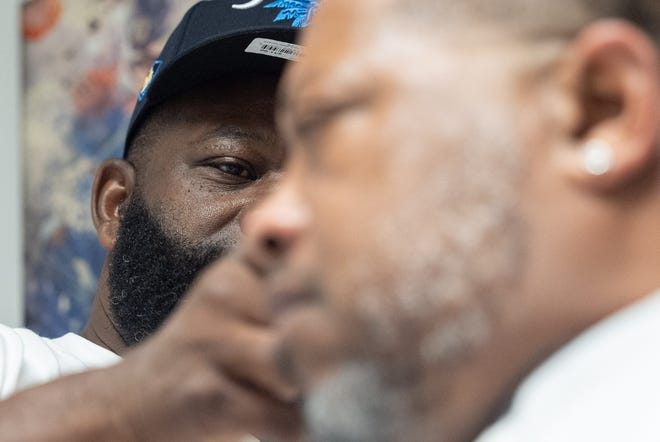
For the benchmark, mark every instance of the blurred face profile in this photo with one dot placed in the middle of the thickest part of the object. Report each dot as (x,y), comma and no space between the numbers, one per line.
(403,192)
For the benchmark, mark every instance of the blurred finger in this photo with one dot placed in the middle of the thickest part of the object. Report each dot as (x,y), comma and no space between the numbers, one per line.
(249,353)
(231,287)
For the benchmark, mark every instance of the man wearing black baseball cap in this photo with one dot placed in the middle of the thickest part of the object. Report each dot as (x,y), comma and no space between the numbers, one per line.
(201,148)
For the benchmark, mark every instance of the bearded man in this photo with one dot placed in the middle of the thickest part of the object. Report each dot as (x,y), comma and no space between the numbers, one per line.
(201,148)
(468,229)
(467,236)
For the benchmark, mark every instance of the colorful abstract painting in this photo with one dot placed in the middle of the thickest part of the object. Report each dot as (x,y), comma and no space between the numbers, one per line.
(84,62)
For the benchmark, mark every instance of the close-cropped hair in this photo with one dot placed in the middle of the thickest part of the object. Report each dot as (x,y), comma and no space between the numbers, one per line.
(144,140)
(536,17)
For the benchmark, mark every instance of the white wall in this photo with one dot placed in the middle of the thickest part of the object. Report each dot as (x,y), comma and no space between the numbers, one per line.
(11,234)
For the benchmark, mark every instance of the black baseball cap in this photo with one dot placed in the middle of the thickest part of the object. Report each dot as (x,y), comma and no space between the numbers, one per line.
(217,38)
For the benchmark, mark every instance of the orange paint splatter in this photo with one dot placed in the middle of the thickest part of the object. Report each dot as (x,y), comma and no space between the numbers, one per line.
(39,17)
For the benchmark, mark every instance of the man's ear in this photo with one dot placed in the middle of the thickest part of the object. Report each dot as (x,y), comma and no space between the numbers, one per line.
(113,186)
(614,77)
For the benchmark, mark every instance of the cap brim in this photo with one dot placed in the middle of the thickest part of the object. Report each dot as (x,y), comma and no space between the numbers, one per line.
(210,61)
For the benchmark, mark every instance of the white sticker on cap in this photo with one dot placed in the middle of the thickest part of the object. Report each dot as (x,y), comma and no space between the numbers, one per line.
(275,48)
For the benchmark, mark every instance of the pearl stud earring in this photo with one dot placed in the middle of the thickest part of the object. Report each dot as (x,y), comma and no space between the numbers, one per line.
(598,157)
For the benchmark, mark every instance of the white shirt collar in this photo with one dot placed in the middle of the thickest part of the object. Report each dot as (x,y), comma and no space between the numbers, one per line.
(602,386)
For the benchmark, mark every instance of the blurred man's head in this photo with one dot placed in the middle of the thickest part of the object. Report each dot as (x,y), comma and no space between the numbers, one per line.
(201,148)
(472,183)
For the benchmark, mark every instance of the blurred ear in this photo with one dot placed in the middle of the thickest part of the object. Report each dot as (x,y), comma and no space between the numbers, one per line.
(113,187)
(614,77)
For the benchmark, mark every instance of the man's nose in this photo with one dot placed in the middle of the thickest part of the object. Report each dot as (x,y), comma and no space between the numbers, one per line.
(274,226)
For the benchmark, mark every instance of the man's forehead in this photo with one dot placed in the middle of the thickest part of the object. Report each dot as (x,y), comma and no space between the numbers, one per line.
(334,20)
(348,45)
(337,45)
(251,94)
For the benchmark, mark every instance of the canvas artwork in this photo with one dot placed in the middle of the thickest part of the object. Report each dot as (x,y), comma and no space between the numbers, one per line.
(84,62)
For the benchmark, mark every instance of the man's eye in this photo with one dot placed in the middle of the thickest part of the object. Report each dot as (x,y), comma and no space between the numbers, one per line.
(235,168)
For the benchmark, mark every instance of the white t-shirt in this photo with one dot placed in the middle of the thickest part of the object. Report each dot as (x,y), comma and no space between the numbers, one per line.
(27,359)
(603,386)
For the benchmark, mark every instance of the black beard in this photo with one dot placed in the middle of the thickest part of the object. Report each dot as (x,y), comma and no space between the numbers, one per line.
(149,272)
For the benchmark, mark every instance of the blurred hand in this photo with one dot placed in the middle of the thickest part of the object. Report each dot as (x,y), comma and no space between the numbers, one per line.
(211,373)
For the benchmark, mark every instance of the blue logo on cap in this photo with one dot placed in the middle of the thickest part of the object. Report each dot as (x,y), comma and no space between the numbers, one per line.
(300,11)
(150,77)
